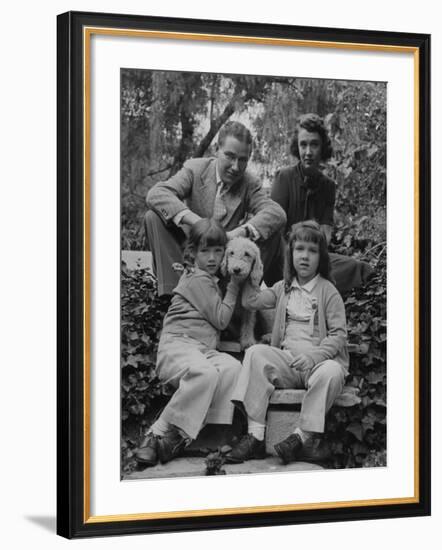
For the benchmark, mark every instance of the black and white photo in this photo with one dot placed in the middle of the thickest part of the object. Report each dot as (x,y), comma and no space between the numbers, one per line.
(243,274)
(253,237)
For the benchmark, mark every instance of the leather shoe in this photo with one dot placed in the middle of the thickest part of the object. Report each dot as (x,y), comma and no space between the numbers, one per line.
(147,453)
(170,445)
(248,448)
(315,449)
(289,449)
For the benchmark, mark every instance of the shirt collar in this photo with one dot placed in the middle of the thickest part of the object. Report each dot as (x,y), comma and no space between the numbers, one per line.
(308,286)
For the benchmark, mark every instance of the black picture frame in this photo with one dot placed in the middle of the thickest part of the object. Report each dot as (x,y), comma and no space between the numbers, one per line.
(73,517)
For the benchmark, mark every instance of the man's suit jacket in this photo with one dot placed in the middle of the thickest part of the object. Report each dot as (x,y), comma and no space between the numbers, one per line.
(194,187)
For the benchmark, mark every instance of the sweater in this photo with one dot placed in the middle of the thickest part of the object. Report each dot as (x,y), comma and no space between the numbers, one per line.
(197,309)
(331,319)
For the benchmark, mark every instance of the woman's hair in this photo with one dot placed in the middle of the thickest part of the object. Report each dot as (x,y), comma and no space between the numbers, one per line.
(205,232)
(309,231)
(312,123)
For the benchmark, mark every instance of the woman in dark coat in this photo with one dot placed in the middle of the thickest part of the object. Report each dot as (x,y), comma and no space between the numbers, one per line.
(305,193)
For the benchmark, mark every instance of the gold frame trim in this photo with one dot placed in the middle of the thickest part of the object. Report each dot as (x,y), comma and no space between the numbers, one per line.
(87,34)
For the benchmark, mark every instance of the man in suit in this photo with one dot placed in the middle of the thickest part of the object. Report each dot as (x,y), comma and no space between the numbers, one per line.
(219,187)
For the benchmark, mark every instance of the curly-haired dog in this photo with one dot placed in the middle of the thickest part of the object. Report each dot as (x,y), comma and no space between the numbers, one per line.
(242,258)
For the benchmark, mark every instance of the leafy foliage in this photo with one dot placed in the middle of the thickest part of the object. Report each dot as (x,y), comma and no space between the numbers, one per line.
(216,460)
(142,395)
(355,433)
(166,118)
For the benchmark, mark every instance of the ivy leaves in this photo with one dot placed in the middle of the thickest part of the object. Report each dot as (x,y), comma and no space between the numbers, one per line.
(142,394)
(358,434)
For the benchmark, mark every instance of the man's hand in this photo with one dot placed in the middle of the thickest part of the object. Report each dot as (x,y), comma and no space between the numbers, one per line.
(302,363)
(237,232)
(187,221)
(190,218)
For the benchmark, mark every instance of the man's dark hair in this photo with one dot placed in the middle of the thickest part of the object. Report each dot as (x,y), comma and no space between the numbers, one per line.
(236,130)
(312,123)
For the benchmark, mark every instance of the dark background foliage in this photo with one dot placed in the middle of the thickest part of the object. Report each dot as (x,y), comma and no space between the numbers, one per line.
(167,117)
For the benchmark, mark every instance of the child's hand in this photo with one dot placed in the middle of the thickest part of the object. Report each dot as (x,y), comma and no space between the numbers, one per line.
(238,280)
(302,362)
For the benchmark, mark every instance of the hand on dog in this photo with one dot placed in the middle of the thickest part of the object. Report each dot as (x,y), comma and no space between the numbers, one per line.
(238,232)
(302,363)
(238,279)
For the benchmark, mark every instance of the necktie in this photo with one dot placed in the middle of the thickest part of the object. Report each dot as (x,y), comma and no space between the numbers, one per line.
(219,208)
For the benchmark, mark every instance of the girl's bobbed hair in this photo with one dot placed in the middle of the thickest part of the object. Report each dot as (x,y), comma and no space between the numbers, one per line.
(311,232)
(205,232)
(312,123)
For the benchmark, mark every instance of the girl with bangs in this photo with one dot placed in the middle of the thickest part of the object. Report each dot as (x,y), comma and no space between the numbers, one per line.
(187,358)
(308,350)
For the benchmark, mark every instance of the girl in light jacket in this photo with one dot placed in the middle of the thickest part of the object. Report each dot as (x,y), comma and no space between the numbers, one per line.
(187,358)
(308,349)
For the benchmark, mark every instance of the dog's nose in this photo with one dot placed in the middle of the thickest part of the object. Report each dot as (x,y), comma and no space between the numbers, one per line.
(236,270)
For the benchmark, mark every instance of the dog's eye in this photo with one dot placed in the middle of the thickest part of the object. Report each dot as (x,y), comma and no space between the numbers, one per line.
(231,252)
(246,254)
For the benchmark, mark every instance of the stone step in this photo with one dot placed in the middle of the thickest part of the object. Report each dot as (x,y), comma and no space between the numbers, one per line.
(137,259)
(287,397)
(196,466)
(280,424)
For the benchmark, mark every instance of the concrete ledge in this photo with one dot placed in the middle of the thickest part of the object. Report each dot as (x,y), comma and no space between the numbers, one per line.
(280,424)
(294,398)
(195,466)
(284,411)
(287,397)
(227,346)
(137,259)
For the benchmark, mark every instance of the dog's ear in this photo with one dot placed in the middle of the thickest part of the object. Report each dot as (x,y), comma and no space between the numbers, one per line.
(223,266)
(257,269)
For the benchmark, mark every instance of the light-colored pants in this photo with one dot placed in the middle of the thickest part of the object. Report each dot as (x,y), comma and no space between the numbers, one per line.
(266,368)
(204,380)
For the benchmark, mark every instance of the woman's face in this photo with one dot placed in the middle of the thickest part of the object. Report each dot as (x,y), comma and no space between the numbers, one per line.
(310,150)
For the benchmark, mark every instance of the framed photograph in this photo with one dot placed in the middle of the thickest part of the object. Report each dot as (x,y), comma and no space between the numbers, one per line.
(243,274)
